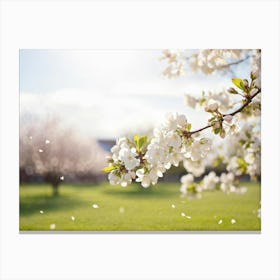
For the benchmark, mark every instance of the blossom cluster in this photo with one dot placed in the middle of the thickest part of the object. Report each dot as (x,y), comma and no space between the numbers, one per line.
(222,99)
(226,183)
(210,60)
(244,151)
(176,62)
(146,161)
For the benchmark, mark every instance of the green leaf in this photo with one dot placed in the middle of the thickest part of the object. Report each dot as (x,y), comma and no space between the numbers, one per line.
(239,83)
(191,188)
(139,141)
(109,168)
(189,127)
(242,164)
(136,138)
(203,141)
(189,142)
(136,141)
(217,130)
(142,141)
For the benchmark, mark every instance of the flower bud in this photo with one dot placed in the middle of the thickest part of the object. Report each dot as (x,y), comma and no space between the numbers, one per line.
(216,124)
(254,90)
(228,118)
(254,75)
(222,133)
(212,106)
(232,91)
(245,83)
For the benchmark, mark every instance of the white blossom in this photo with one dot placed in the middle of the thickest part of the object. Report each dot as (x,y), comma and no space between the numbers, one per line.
(128,157)
(156,153)
(187,179)
(211,105)
(113,178)
(146,178)
(198,149)
(173,139)
(228,118)
(197,168)
(189,188)
(210,181)
(127,178)
(190,101)
(227,182)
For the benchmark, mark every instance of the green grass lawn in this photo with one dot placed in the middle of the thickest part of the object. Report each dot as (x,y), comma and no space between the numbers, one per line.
(135,208)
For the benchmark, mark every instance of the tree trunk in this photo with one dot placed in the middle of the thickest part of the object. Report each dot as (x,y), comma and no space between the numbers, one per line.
(55,189)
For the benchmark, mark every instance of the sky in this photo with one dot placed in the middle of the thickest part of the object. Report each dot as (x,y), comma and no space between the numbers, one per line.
(107,93)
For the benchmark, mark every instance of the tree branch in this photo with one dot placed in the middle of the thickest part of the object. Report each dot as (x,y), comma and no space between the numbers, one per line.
(234,63)
(248,101)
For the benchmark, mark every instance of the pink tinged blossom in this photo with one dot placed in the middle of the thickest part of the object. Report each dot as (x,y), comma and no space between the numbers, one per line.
(228,118)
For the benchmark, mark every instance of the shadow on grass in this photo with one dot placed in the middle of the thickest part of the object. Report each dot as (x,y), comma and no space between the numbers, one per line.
(29,205)
(140,192)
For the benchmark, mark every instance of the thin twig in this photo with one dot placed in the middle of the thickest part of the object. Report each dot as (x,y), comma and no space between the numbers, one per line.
(235,62)
(248,101)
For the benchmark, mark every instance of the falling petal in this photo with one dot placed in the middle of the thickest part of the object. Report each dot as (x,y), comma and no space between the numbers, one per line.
(52,226)
(259,213)
(220,222)
(72,218)
(62,178)
(233,221)
(40,151)
(183,214)
(173,205)
(95,206)
(41,211)
(30,137)
(188,217)
(47,141)
(121,209)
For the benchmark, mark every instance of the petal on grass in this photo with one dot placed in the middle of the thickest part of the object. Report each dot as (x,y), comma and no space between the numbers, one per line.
(52,226)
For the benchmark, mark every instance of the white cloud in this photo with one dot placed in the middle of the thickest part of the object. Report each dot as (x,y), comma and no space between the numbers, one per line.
(103,116)
(106,93)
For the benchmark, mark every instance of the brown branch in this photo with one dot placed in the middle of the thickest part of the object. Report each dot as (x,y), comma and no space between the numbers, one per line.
(248,101)
(234,63)
(205,127)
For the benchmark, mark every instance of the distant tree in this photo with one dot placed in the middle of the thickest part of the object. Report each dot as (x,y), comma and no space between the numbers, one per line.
(49,149)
